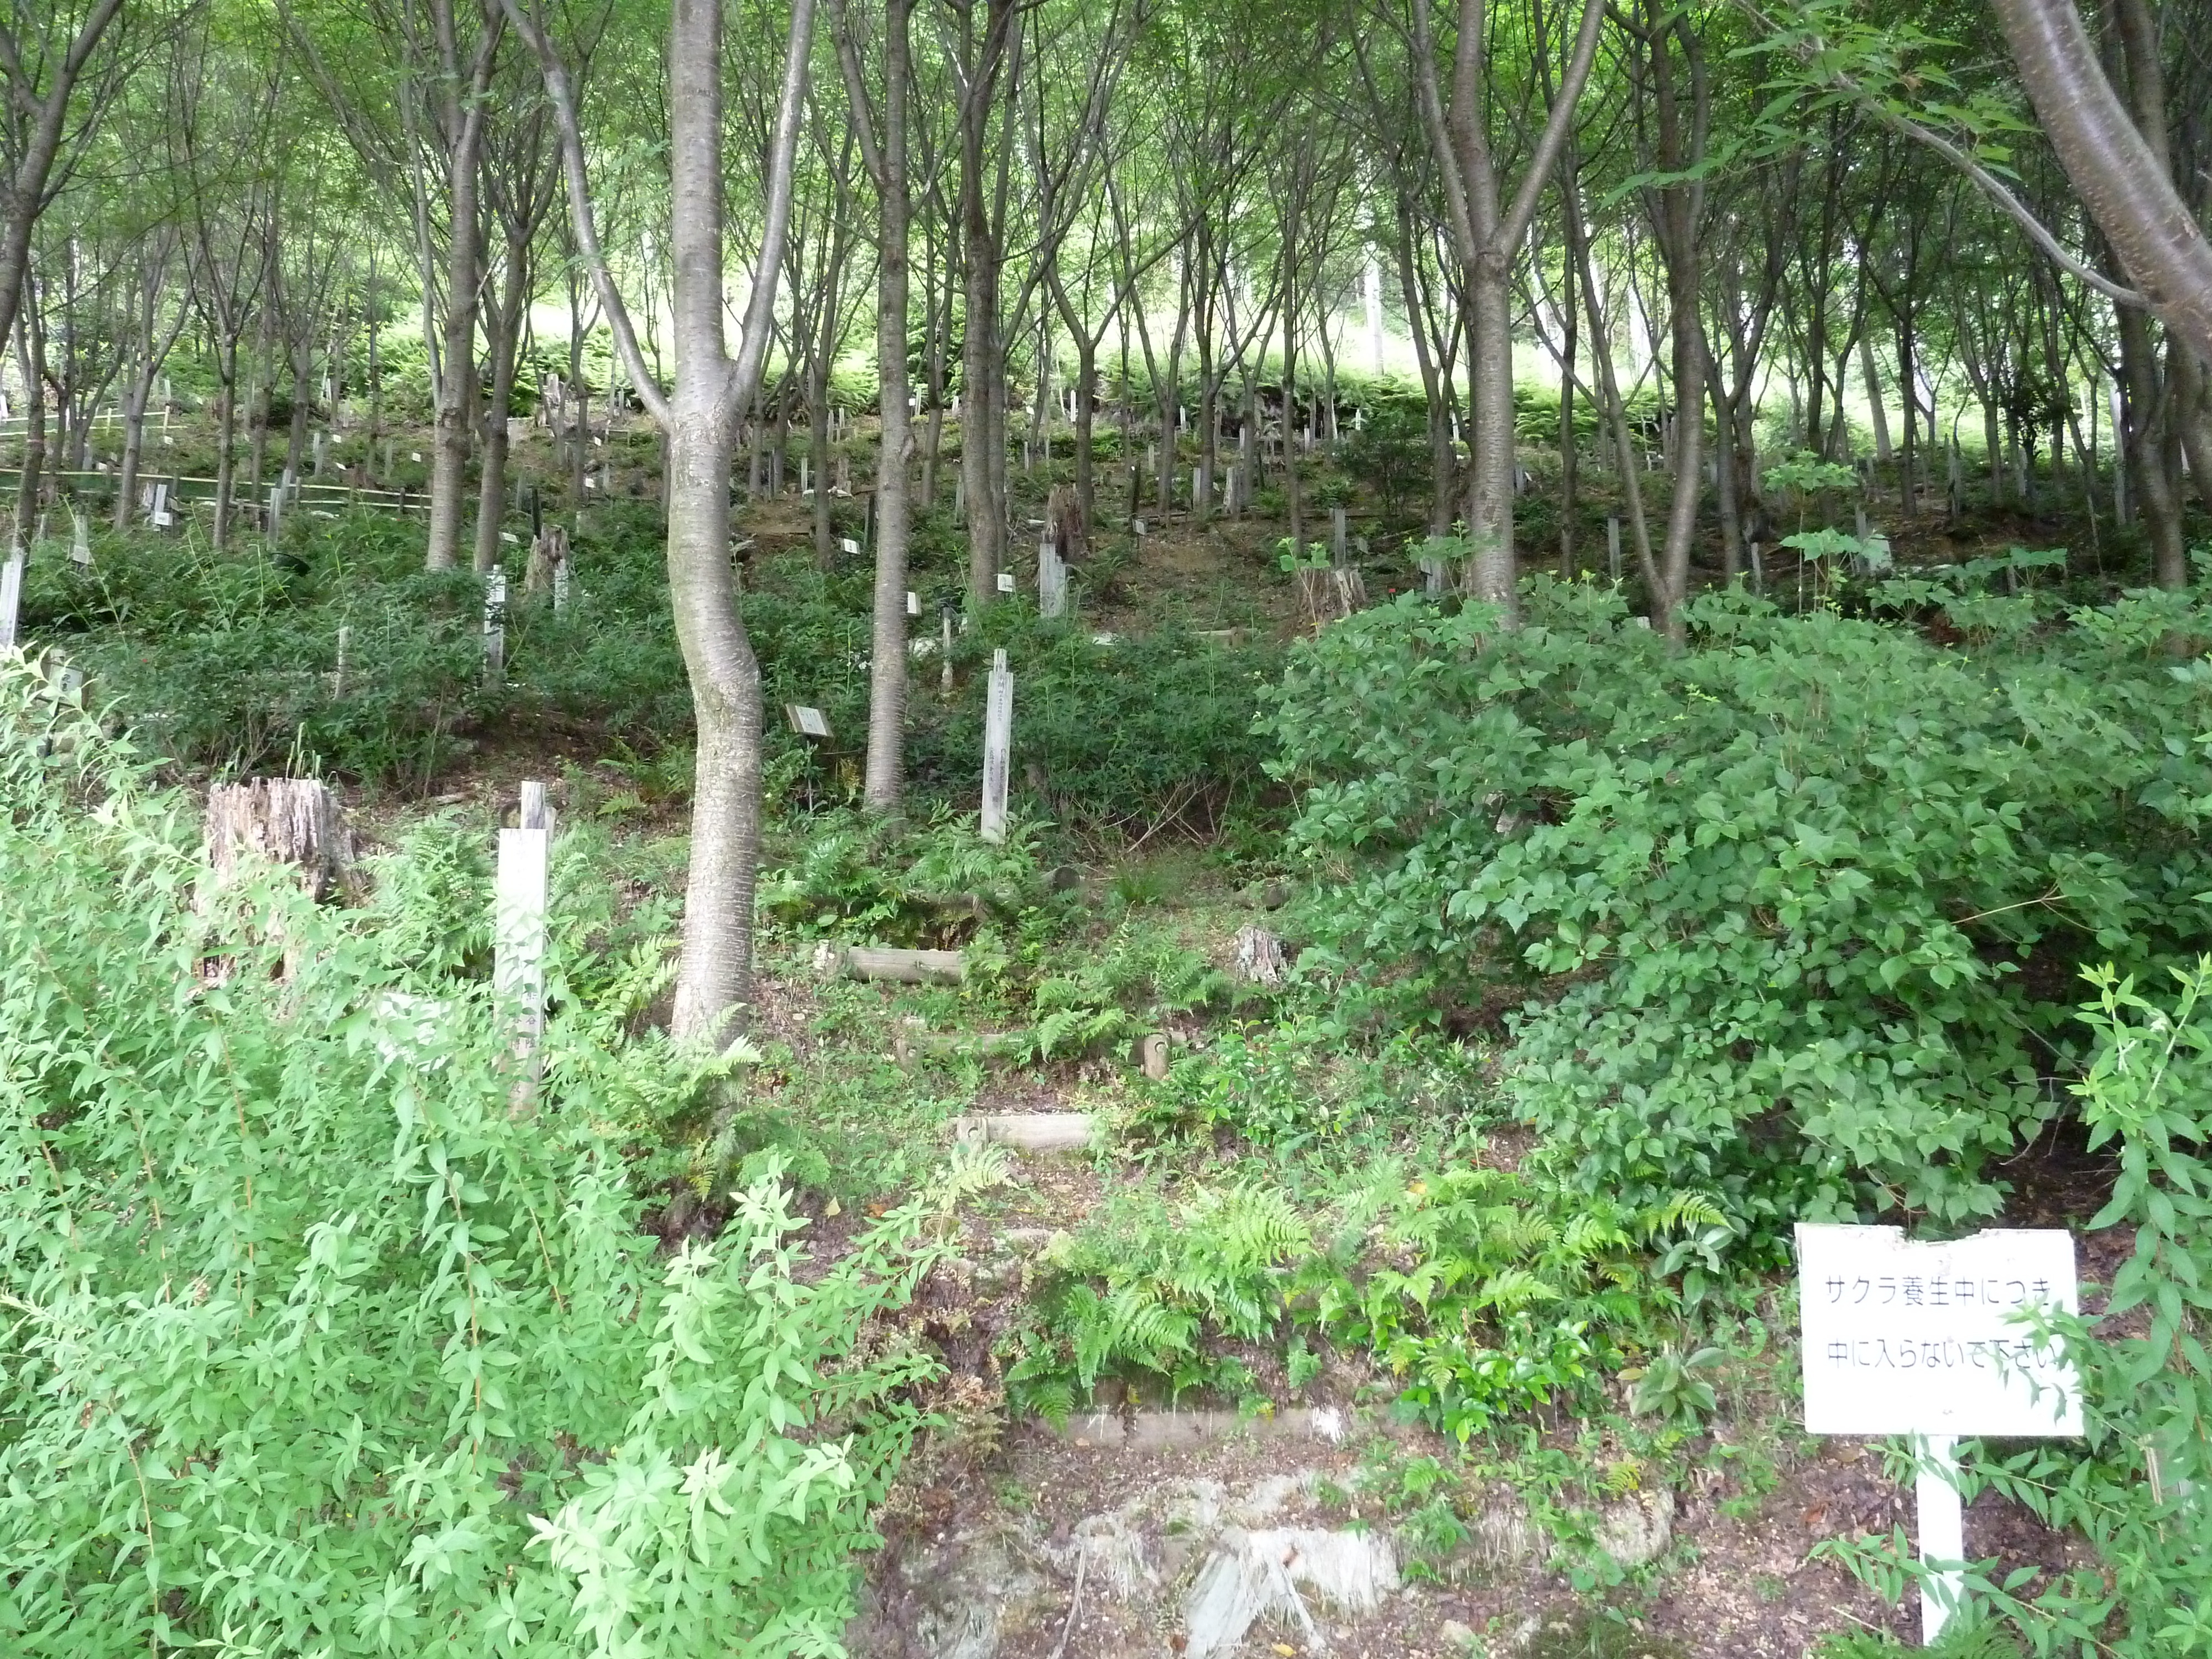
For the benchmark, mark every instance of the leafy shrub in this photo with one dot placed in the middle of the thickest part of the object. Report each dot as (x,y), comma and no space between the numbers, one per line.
(1793,910)
(315,1347)
(1389,453)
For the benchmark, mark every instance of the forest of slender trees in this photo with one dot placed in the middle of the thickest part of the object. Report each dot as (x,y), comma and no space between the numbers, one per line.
(1191,240)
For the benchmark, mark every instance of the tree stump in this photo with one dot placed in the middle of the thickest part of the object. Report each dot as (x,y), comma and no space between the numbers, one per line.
(1258,956)
(549,551)
(290,820)
(1064,525)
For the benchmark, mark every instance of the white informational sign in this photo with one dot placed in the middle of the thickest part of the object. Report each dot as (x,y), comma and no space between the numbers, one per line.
(1005,581)
(807,722)
(1936,1342)
(912,603)
(852,548)
(1925,1339)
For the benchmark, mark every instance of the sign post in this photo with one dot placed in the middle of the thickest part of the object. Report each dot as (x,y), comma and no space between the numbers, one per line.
(11,596)
(494,626)
(998,746)
(1927,1340)
(519,937)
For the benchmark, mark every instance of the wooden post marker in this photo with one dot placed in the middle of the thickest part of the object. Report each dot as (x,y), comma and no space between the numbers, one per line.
(11,595)
(80,541)
(518,974)
(494,626)
(1929,1340)
(998,748)
(1052,578)
(1338,539)
(1612,548)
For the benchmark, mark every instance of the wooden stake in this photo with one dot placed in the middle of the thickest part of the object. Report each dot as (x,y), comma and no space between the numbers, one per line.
(518,974)
(998,747)
(11,596)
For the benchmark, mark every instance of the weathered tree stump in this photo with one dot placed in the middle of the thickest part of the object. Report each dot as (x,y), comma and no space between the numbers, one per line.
(290,820)
(549,551)
(1258,956)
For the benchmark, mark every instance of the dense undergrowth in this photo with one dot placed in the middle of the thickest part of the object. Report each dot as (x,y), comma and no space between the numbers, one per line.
(1797,913)
(232,662)
(314,1344)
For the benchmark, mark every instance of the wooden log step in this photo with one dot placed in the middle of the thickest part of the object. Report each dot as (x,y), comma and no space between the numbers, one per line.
(1029,1132)
(904,967)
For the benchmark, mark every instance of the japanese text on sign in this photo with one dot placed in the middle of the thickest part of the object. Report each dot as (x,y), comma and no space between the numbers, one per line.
(1903,1338)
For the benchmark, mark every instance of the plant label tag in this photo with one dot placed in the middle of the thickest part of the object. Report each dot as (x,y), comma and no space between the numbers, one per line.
(1005,581)
(912,603)
(851,547)
(807,722)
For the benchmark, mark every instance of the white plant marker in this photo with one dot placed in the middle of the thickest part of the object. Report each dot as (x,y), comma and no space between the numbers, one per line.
(1005,581)
(11,595)
(518,975)
(998,747)
(80,541)
(161,516)
(945,653)
(1338,538)
(1925,1340)
(561,579)
(495,625)
(851,548)
(337,673)
(1612,548)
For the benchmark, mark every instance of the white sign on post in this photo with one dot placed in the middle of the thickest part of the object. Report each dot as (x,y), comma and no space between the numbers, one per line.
(807,721)
(11,596)
(1005,581)
(1929,1340)
(80,541)
(518,974)
(912,603)
(998,748)
(851,548)
(494,626)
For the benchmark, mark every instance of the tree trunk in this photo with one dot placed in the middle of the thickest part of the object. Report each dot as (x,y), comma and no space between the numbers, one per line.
(457,380)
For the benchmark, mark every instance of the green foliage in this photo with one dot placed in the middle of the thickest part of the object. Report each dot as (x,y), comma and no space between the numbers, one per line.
(2135,1490)
(901,882)
(1390,454)
(314,1346)
(1482,1293)
(1792,909)
(1142,733)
